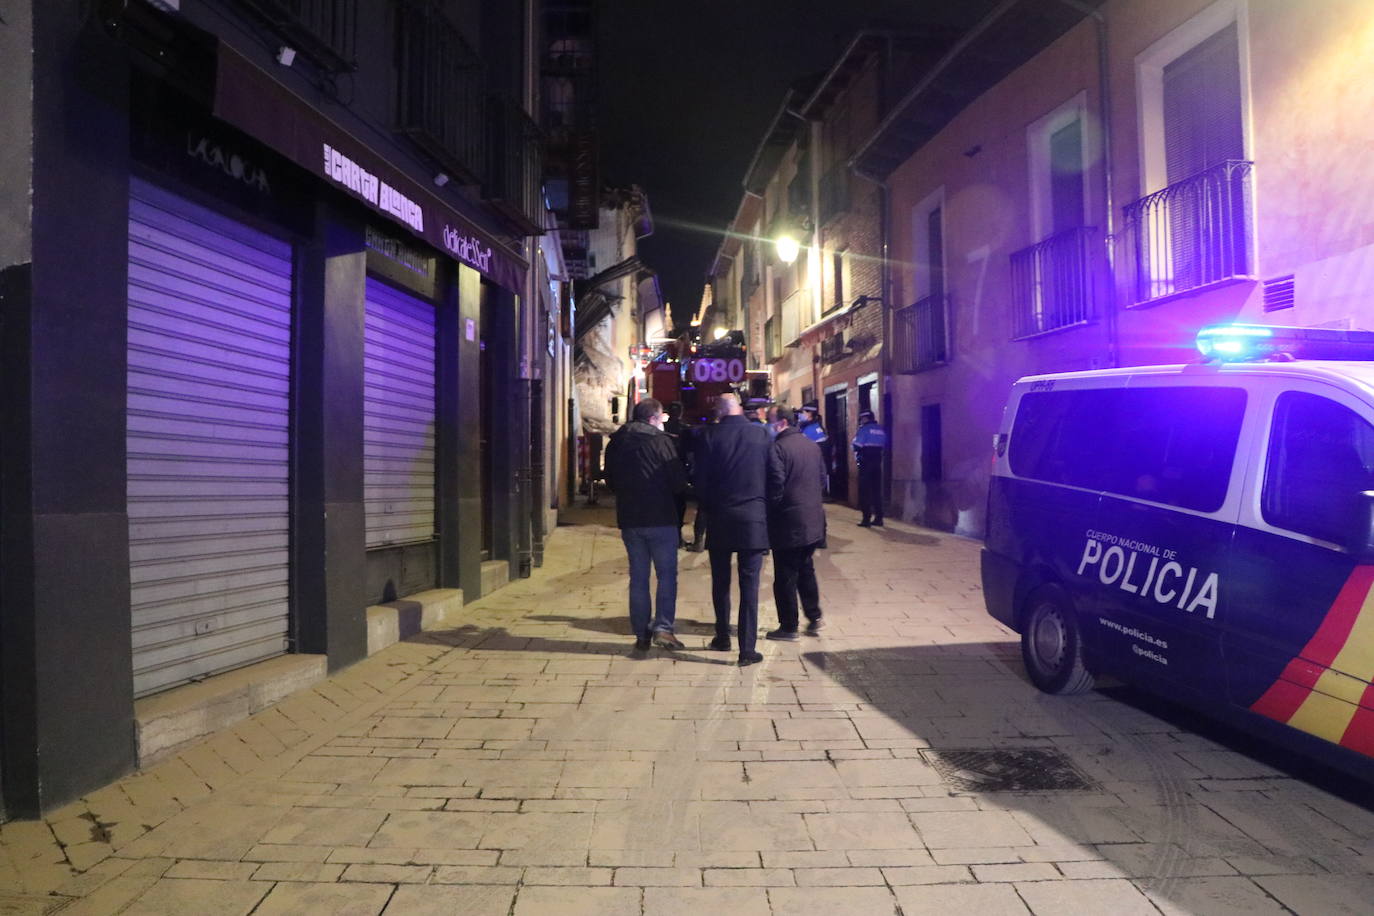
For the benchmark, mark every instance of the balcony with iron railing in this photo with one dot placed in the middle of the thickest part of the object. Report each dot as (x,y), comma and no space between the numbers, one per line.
(1192,234)
(441,102)
(834,193)
(325,31)
(920,335)
(1052,282)
(515,165)
(834,348)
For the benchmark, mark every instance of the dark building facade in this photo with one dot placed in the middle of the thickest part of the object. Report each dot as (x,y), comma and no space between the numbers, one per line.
(266,311)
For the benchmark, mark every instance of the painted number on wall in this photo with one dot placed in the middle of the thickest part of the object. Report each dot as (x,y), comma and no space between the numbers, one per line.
(718,370)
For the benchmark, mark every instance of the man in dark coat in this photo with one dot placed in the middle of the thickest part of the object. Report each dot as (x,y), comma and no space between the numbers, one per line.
(796,523)
(730,464)
(645,473)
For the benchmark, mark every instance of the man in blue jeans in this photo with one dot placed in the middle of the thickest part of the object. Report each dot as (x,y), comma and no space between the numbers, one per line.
(646,475)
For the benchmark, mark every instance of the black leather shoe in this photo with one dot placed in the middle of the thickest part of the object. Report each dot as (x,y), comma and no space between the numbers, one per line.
(814,627)
(865,524)
(782,635)
(719,644)
(877,523)
(642,643)
(749,658)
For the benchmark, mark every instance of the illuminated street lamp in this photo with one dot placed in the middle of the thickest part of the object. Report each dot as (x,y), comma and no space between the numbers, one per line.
(721,332)
(788,248)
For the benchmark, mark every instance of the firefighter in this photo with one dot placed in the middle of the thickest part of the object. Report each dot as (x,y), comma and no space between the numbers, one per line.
(870,442)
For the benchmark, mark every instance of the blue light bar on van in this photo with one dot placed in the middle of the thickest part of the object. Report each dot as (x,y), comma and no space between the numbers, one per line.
(1239,342)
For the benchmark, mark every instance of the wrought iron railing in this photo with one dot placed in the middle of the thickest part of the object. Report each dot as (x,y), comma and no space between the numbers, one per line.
(920,335)
(1192,233)
(441,99)
(834,348)
(1052,282)
(326,31)
(772,340)
(834,193)
(515,165)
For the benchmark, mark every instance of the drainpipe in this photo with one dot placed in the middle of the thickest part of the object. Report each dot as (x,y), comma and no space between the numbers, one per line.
(885,288)
(1104,91)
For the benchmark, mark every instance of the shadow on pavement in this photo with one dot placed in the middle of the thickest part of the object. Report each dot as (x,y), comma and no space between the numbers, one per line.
(1161,791)
(499,639)
(619,624)
(910,538)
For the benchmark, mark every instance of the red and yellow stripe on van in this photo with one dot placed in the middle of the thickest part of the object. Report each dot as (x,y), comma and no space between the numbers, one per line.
(1326,691)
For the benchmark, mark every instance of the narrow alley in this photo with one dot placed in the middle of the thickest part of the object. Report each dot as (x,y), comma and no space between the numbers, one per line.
(527,762)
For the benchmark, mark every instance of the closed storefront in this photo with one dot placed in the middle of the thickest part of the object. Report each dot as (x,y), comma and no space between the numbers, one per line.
(209,448)
(398,417)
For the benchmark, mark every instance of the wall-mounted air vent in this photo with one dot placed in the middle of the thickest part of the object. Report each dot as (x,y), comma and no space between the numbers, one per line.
(1278,293)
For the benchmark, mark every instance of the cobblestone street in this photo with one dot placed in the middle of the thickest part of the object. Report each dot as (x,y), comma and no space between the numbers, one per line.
(528,763)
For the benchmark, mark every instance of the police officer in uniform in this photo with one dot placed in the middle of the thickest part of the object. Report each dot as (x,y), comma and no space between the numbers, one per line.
(809,419)
(869,444)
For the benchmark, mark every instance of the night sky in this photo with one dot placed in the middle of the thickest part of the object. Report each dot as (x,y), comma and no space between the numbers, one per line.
(687,90)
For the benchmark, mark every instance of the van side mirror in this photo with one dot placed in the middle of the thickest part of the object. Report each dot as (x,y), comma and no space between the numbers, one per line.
(1361,542)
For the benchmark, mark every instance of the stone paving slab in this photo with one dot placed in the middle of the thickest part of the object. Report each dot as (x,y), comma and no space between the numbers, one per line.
(526,761)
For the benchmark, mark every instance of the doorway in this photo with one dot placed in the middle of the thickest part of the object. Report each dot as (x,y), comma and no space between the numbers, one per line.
(837,426)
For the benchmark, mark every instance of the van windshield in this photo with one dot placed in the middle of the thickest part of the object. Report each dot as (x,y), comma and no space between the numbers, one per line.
(1169,445)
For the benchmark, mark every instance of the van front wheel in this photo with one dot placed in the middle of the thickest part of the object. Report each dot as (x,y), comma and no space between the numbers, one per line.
(1051,645)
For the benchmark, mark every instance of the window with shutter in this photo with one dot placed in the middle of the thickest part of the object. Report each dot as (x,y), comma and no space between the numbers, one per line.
(1066,177)
(1202,130)
(1202,124)
(1192,226)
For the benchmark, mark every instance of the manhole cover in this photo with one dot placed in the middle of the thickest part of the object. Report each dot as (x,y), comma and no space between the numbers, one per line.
(1017,769)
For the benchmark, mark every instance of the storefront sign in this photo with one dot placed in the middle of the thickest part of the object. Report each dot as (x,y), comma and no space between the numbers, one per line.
(202,147)
(396,251)
(175,141)
(467,249)
(253,101)
(585,186)
(343,170)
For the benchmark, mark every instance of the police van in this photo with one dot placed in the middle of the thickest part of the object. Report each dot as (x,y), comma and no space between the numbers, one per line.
(1205,531)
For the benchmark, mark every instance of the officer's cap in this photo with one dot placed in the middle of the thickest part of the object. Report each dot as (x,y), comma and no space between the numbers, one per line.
(865,414)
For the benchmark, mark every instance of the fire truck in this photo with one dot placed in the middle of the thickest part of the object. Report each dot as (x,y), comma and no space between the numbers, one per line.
(696,374)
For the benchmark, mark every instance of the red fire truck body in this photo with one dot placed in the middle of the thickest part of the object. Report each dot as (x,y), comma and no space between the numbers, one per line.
(696,375)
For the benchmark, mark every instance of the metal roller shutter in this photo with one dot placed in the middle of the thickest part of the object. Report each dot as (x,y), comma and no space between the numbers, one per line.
(209,384)
(398,417)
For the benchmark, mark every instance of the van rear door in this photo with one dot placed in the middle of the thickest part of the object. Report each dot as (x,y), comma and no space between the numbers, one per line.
(1044,492)
(1299,636)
